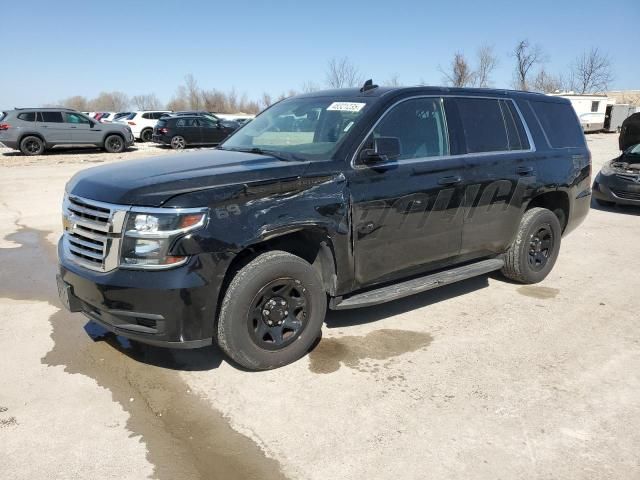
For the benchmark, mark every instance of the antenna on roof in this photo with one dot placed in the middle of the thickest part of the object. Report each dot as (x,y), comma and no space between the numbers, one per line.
(368,85)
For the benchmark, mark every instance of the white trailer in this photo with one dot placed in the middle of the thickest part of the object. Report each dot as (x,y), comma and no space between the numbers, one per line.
(591,109)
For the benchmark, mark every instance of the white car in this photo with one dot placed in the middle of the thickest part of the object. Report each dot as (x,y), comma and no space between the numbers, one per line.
(142,123)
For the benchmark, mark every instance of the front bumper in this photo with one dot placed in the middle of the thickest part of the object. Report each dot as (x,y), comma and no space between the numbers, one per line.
(171,308)
(612,189)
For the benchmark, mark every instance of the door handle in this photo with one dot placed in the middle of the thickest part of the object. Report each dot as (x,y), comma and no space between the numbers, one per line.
(73,127)
(451,180)
(525,171)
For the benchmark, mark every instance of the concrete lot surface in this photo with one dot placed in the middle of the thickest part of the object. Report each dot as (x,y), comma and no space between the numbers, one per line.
(484,379)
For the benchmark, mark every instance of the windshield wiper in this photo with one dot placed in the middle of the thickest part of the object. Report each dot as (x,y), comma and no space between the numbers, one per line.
(284,156)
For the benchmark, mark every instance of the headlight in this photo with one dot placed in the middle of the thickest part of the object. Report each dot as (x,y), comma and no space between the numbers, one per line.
(607,170)
(150,234)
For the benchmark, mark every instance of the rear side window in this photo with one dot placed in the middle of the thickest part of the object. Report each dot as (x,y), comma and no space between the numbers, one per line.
(483,125)
(186,122)
(560,124)
(515,130)
(27,117)
(50,117)
(147,116)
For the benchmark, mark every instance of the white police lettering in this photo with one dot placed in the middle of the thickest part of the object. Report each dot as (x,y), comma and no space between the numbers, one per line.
(346,107)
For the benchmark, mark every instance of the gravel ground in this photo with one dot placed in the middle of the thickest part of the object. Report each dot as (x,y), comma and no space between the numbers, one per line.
(484,379)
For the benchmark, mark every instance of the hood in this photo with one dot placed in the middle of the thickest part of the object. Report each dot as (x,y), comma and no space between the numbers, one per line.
(630,132)
(152,181)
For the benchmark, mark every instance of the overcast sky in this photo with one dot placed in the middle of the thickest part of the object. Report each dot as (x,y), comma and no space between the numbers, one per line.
(55,49)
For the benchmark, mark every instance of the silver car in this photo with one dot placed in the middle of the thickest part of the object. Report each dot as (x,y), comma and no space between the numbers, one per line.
(34,130)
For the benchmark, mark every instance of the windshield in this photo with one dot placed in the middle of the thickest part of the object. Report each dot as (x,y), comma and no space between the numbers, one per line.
(301,128)
(635,150)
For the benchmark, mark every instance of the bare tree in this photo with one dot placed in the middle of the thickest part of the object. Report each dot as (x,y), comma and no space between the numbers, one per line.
(527,57)
(592,72)
(392,81)
(76,102)
(147,101)
(487,63)
(193,92)
(179,101)
(547,83)
(266,100)
(110,102)
(341,73)
(460,73)
(309,87)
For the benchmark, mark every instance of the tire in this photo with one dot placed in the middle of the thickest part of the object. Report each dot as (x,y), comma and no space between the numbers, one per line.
(535,250)
(255,297)
(146,135)
(178,142)
(605,203)
(114,144)
(32,145)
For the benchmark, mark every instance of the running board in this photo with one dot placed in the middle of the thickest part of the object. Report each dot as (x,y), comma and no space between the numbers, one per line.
(417,285)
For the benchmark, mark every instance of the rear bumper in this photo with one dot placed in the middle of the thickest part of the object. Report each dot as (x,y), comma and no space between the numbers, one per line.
(172,308)
(579,208)
(162,139)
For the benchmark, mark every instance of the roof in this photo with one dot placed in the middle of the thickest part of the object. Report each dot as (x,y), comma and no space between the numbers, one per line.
(434,90)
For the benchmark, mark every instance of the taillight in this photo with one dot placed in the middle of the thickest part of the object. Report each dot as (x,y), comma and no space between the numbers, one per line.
(4,126)
(131,123)
(163,130)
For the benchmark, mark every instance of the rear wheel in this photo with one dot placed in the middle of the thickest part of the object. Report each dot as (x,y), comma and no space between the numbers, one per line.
(114,144)
(272,312)
(32,146)
(534,251)
(146,135)
(178,142)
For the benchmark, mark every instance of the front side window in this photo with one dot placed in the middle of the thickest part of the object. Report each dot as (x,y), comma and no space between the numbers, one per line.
(50,117)
(420,127)
(206,122)
(301,128)
(75,118)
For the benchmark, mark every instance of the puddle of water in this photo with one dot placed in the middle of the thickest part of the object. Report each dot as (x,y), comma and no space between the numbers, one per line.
(185,437)
(542,293)
(351,351)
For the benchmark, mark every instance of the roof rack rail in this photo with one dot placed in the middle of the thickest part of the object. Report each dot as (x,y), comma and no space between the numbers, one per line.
(46,108)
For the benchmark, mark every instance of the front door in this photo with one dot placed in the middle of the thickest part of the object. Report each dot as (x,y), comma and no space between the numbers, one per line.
(406,211)
(80,127)
(211,132)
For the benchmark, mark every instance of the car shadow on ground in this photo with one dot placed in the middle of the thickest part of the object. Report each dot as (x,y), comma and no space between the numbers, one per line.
(68,151)
(624,209)
(211,357)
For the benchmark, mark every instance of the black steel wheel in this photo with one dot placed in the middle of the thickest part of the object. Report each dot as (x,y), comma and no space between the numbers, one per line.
(535,249)
(32,145)
(272,311)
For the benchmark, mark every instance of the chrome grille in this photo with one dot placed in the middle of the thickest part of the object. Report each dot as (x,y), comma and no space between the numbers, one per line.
(92,232)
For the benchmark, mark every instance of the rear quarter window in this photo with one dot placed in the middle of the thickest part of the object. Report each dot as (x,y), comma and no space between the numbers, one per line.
(27,117)
(560,124)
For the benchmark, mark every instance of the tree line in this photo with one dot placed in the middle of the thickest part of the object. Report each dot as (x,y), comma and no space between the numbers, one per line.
(591,72)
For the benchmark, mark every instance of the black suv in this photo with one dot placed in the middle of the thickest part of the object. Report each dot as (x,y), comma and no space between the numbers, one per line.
(336,199)
(186,130)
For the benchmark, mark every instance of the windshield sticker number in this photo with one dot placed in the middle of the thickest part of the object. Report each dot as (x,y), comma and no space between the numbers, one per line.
(345,107)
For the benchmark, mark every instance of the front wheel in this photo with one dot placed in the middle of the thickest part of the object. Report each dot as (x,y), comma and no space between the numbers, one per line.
(114,144)
(178,142)
(534,251)
(272,312)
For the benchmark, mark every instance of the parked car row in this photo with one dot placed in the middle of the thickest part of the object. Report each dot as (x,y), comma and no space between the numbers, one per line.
(35,130)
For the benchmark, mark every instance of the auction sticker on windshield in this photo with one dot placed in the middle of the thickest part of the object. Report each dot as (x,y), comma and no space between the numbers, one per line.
(346,107)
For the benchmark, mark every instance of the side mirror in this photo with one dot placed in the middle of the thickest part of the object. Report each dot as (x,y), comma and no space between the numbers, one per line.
(384,149)
(92,124)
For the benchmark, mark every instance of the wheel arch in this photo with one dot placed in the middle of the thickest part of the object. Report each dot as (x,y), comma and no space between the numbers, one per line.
(32,134)
(557,201)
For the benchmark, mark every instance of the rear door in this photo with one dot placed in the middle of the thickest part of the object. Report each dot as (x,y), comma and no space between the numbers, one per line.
(406,212)
(500,171)
(80,127)
(52,126)
(189,129)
